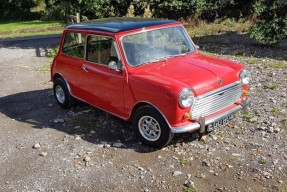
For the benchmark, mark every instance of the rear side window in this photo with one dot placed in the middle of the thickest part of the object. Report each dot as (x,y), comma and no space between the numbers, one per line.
(74,45)
(101,49)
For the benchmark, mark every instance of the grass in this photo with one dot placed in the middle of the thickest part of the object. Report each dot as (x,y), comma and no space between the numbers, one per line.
(246,116)
(278,65)
(191,189)
(184,162)
(262,161)
(273,86)
(29,28)
(201,28)
(45,68)
(253,60)
(276,111)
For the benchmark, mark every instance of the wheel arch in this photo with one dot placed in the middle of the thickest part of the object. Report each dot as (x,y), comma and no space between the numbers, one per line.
(59,75)
(145,103)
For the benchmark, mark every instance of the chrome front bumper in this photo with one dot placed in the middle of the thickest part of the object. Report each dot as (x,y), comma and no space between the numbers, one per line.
(201,124)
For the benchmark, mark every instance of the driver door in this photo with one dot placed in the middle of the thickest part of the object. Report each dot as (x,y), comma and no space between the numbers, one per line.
(103,86)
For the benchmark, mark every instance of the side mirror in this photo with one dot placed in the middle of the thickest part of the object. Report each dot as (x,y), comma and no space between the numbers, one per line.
(114,66)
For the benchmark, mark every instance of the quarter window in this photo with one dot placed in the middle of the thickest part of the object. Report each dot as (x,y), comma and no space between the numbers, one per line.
(74,45)
(101,49)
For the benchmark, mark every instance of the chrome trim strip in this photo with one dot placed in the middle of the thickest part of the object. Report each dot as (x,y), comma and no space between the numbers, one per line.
(86,48)
(192,127)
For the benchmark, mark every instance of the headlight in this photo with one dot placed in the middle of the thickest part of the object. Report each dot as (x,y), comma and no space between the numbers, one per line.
(245,76)
(186,98)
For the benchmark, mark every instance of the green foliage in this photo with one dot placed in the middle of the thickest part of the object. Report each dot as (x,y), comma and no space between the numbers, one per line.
(173,9)
(271,26)
(269,32)
(270,15)
(273,86)
(278,65)
(18,10)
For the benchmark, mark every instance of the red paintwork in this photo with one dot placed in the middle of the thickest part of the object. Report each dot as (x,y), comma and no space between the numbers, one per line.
(158,83)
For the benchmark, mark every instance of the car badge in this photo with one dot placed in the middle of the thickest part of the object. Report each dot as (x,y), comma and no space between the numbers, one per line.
(219,81)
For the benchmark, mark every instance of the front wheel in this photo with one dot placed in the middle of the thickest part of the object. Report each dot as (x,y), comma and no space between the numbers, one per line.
(151,128)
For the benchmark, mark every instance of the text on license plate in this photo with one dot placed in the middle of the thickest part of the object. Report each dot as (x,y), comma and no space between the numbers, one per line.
(223,121)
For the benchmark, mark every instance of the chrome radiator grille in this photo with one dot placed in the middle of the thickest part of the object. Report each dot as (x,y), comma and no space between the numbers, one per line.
(216,100)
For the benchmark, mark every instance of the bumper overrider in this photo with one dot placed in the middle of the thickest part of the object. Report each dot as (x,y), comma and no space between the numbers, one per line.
(203,121)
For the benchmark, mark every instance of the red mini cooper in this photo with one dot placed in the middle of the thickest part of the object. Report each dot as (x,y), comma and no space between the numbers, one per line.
(150,72)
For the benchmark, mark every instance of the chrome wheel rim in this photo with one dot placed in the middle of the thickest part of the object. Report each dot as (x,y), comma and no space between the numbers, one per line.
(60,94)
(149,128)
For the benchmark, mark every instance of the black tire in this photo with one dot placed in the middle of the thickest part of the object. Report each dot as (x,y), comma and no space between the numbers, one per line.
(62,94)
(151,128)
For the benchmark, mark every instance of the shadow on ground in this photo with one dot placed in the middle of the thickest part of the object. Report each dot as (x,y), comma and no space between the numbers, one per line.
(233,43)
(41,46)
(38,108)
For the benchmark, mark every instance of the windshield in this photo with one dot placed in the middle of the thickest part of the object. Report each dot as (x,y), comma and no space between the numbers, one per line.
(155,45)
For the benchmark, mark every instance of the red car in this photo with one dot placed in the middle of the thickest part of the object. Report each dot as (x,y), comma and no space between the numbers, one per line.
(150,72)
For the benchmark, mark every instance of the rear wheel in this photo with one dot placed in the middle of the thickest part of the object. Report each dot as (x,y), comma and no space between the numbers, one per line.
(151,128)
(62,94)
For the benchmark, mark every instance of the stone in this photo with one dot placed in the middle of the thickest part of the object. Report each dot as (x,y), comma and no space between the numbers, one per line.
(87,159)
(236,154)
(270,130)
(176,173)
(36,146)
(206,163)
(203,139)
(118,145)
(43,154)
(60,120)
(78,137)
(277,130)
(189,183)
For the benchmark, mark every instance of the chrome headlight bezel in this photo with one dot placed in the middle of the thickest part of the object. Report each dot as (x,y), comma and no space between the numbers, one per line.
(186,98)
(245,76)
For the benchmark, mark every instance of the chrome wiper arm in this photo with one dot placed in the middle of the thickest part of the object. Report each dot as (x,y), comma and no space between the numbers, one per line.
(162,58)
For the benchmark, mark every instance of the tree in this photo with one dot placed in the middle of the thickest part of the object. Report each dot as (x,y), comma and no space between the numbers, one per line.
(18,9)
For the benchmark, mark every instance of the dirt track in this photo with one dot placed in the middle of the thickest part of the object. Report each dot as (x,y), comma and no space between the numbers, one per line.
(85,149)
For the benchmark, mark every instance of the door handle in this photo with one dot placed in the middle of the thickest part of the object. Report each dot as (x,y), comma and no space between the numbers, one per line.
(85,68)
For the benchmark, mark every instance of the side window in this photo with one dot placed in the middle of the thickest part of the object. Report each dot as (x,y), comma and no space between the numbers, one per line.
(101,49)
(74,45)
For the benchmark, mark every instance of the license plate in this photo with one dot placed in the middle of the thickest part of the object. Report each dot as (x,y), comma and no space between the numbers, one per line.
(221,122)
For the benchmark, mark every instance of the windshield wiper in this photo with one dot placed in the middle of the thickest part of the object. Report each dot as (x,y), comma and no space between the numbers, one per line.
(171,56)
(162,58)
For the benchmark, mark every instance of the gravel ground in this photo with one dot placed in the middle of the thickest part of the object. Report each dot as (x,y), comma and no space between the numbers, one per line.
(46,148)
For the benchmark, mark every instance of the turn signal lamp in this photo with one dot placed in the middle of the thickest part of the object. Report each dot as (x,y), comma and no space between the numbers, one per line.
(245,93)
(187,116)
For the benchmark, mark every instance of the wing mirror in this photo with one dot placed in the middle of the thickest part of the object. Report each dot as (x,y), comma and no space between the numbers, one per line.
(114,66)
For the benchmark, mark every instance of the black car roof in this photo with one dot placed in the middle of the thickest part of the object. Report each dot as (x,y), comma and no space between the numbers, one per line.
(118,24)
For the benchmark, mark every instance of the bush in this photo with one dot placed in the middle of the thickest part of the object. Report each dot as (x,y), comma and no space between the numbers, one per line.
(269,32)
(173,9)
(271,25)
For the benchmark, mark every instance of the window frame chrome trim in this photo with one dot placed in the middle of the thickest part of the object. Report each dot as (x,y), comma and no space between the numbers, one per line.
(86,49)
